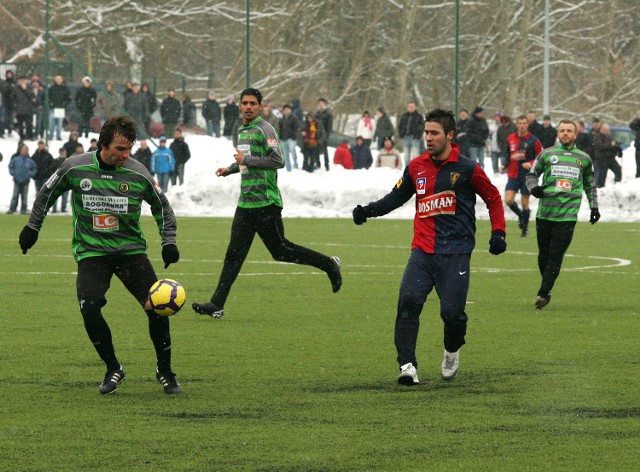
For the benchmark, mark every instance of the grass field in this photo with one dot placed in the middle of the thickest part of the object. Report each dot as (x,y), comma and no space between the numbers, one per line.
(296,378)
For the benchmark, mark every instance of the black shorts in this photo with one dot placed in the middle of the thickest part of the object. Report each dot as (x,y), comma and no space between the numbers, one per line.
(518,185)
(135,271)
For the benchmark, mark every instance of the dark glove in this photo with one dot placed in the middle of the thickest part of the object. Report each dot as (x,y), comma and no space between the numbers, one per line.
(537,191)
(497,244)
(28,237)
(170,254)
(360,215)
(595,216)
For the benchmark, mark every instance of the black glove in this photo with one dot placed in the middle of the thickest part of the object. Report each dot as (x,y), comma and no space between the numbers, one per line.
(360,215)
(595,216)
(28,237)
(170,254)
(537,191)
(497,244)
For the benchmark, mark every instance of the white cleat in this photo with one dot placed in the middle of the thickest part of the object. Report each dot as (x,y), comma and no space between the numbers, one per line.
(408,375)
(450,364)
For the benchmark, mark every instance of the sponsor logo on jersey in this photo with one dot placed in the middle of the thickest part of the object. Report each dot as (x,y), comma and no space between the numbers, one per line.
(245,149)
(86,185)
(273,142)
(52,180)
(554,159)
(102,203)
(566,172)
(563,185)
(124,187)
(105,223)
(156,185)
(106,176)
(517,155)
(443,203)
(421,185)
(454,178)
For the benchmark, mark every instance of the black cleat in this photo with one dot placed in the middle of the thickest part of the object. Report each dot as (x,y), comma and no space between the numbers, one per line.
(524,233)
(169,382)
(334,274)
(541,301)
(208,309)
(111,380)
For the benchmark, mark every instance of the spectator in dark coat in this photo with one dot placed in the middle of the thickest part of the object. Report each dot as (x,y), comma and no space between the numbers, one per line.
(296,108)
(231,115)
(461,138)
(212,114)
(86,99)
(44,165)
(506,128)
(8,101)
(584,141)
(182,154)
(635,127)
(70,146)
(548,133)
(384,127)
(361,154)
(411,130)
(143,154)
(325,117)
(535,128)
(477,134)
(606,151)
(289,127)
(38,92)
(136,105)
(108,103)
(311,139)
(152,106)
(23,103)
(59,98)
(188,111)
(170,110)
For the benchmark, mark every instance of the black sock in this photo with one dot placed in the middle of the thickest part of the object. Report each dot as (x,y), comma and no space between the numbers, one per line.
(514,208)
(161,338)
(100,335)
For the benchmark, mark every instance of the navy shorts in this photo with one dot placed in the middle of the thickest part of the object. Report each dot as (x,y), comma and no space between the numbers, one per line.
(518,185)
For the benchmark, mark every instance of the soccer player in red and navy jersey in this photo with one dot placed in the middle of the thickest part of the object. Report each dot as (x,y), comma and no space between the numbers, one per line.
(445,184)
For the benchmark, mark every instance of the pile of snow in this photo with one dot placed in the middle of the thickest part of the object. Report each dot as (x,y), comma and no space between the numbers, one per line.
(321,194)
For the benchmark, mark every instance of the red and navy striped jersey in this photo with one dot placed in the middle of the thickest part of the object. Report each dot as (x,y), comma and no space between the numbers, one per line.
(522,150)
(445,202)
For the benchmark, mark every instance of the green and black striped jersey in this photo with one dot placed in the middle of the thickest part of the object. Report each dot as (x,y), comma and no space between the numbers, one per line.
(262,151)
(566,173)
(106,206)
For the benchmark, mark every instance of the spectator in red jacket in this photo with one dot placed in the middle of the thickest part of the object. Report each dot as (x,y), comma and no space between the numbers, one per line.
(342,156)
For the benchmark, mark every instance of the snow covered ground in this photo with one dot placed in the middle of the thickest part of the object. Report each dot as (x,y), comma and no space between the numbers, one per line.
(321,194)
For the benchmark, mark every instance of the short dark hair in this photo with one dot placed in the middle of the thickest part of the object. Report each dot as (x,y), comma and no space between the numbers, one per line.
(445,117)
(252,92)
(569,122)
(117,125)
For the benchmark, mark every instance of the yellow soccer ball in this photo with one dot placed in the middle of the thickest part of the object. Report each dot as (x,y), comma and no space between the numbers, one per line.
(166,297)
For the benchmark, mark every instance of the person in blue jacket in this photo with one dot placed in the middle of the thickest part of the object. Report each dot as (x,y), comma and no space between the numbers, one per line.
(163,163)
(22,168)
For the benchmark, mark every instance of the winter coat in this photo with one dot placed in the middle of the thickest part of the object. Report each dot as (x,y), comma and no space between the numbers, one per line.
(70,147)
(106,106)
(170,110)
(412,125)
(535,128)
(152,103)
(477,132)
(23,100)
(461,138)
(326,118)
(22,168)
(584,142)
(8,94)
(135,104)
(635,126)
(366,128)
(307,141)
(362,158)
(384,127)
(389,158)
(181,151)
(342,157)
(548,136)
(211,110)
(188,113)
(503,137)
(289,127)
(231,113)
(59,96)
(143,156)
(605,150)
(44,164)
(86,99)
(162,161)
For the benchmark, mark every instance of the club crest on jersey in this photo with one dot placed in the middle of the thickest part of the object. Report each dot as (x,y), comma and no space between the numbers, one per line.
(421,185)
(86,185)
(124,187)
(554,159)
(454,178)
(443,203)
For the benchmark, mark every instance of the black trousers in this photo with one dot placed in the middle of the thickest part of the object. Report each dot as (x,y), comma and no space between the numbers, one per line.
(554,238)
(267,223)
(637,159)
(449,275)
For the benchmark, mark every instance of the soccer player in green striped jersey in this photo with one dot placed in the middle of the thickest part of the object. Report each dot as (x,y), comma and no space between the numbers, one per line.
(258,158)
(107,191)
(566,172)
